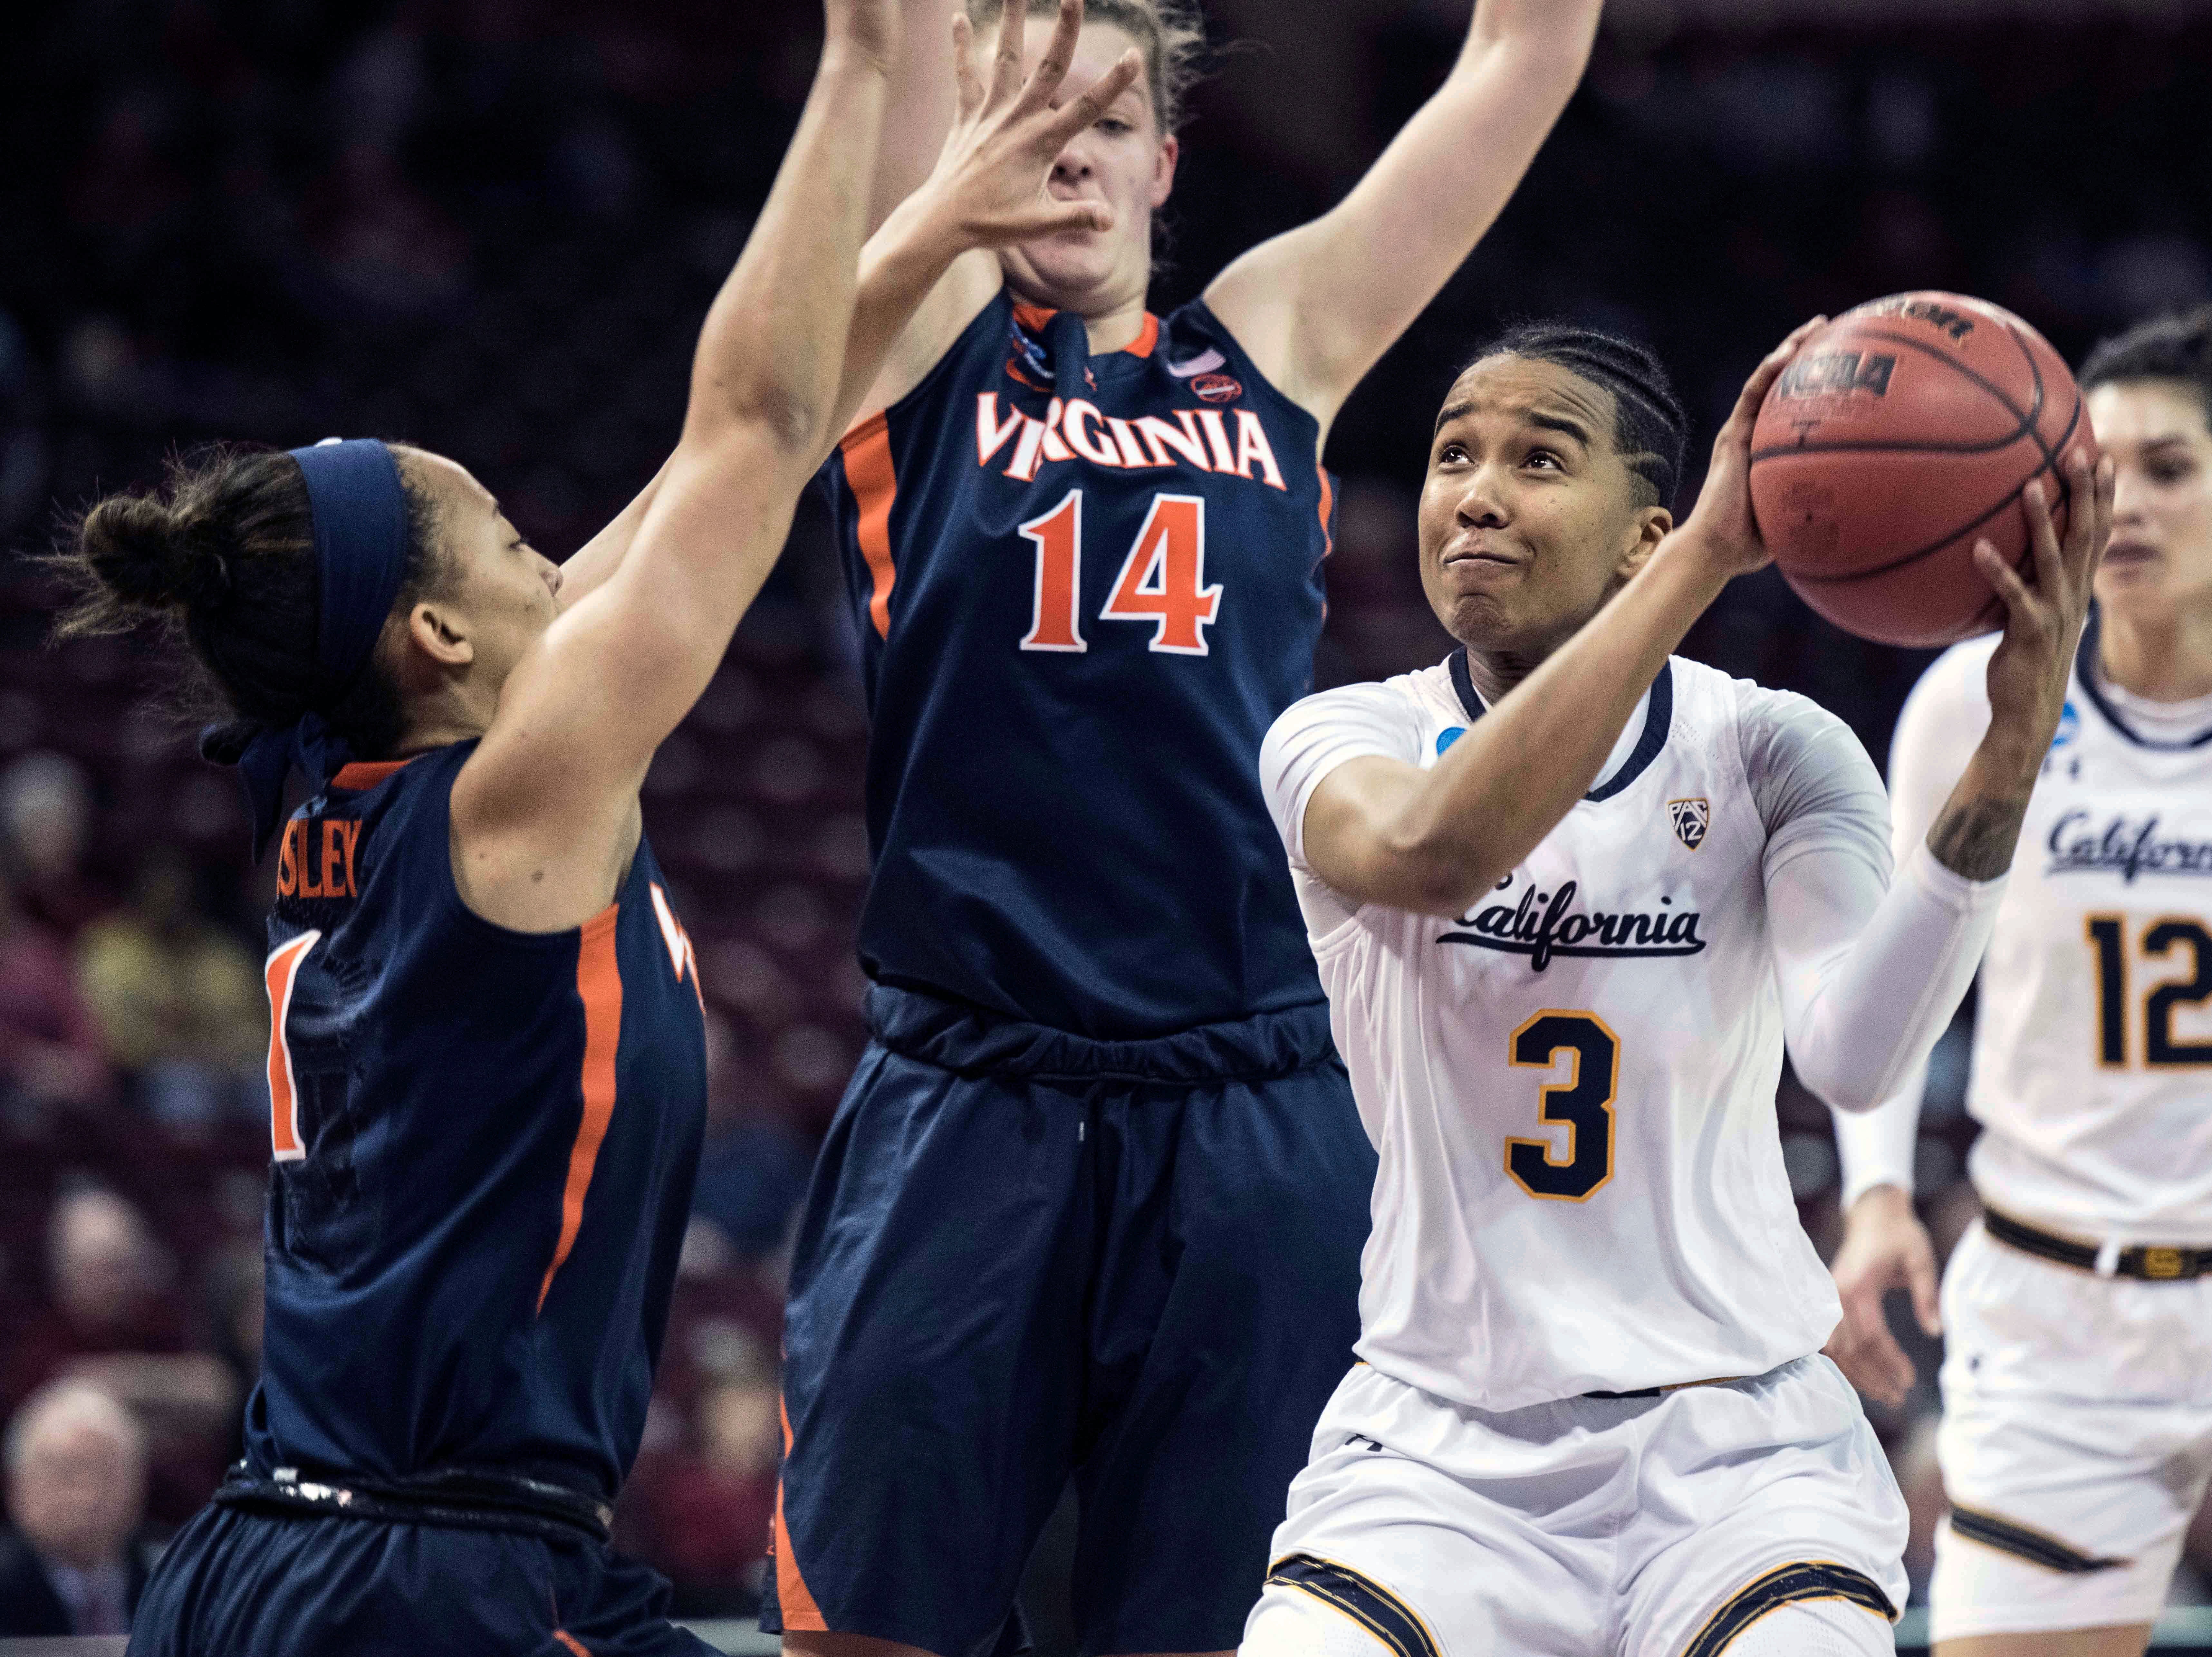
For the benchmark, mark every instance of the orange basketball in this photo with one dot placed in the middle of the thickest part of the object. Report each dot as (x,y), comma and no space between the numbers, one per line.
(1903,433)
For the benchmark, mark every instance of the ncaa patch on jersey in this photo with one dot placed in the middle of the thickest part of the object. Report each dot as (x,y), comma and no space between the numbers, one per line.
(1217,388)
(1691,818)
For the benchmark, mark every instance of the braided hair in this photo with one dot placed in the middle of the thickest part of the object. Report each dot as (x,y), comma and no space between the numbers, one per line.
(1651,429)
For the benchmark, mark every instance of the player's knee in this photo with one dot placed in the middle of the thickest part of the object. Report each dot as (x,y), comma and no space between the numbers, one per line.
(1285,1624)
(1816,1627)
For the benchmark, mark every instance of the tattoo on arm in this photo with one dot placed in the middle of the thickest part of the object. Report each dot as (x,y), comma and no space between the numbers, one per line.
(1974,837)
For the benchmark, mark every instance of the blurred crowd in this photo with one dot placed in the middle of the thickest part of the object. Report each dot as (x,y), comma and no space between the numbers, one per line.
(492,228)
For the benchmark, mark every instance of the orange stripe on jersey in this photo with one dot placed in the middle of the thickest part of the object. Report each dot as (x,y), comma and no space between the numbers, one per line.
(280,972)
(599,981)
(571,1642)
(1035,318)
(1147,337)
(1327,506)
(867,450)
(366,773)
(792,1597)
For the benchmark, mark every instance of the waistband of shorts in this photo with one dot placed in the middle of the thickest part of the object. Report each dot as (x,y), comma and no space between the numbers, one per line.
(971,1040)
(451,1498)
(1675,1386)
(2147,1262)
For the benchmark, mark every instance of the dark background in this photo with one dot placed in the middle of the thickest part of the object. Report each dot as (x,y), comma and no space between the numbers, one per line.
(492,228)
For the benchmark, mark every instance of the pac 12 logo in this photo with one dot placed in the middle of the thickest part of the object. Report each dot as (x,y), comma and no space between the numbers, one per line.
(1691,818)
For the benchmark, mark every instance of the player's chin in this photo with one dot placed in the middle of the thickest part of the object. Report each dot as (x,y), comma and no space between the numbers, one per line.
(1479,620)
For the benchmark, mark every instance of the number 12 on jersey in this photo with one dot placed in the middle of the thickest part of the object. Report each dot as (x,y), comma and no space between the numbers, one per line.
(2108,937)
(1163,581)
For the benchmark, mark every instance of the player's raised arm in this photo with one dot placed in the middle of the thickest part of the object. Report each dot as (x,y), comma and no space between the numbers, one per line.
(1867,985)
(1378,830)
(1316,307)
(543,810)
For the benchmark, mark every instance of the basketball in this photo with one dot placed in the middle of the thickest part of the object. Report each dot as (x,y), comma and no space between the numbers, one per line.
(1903,433)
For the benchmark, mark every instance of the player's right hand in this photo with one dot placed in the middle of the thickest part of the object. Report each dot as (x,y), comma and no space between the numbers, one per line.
(1721,526)
(1885,1246)
(988,188)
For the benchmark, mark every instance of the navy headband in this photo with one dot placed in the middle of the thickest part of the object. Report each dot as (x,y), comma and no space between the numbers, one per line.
(359,510)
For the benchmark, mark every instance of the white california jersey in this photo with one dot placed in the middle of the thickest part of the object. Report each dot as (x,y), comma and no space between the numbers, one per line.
(2093,1043)
(1572,1086)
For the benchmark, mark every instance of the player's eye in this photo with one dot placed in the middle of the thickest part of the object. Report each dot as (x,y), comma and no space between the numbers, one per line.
(1544,457)
(1452,454)
(1113,126)
(2169,471)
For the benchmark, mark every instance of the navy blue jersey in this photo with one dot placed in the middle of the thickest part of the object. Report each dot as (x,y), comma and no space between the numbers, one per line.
(1086,585)
(485,1142)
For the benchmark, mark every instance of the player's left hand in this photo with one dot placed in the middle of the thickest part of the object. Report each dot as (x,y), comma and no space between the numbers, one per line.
(1885,1246)
(2029,673)
(988,188)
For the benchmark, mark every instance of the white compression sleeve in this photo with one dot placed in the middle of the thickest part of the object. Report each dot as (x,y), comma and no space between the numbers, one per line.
(1942,720)
(1876,1145)
(1869,978)
(1868,987)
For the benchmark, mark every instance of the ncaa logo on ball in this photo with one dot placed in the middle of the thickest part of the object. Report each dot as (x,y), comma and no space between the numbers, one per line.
(1837,373)
(1217,388)
(1691,818)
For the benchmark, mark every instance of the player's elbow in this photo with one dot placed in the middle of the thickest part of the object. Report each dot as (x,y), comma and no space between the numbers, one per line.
(1837,1077)
(1427,876)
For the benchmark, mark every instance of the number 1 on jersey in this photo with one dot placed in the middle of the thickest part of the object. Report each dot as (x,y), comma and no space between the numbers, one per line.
(1162,581)
(281,973)
(1058,537)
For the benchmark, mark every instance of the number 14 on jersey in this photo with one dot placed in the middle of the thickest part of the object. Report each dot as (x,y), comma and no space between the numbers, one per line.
(1163,581)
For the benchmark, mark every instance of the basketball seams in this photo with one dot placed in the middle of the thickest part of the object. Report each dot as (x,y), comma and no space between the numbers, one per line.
(2030,427)
(2049,464)
(2026,428)
(1930,550)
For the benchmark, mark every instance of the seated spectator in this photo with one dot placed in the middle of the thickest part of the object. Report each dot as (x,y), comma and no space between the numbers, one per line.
(46,810)
(178,998)
(107,1324)
(702,1514)
(71,1559)
(50,1050)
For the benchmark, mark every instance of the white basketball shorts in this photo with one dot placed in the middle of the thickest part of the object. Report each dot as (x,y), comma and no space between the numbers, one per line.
(1641,1526)
(2076,1442)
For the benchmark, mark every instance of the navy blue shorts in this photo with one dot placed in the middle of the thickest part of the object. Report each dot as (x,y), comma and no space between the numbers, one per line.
(1026,1254)
(238,1584)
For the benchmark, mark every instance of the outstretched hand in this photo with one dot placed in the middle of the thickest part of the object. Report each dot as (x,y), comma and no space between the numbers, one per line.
(1721,526)
(990,183)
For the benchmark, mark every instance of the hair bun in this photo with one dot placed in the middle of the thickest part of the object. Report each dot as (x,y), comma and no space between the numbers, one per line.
(147,553)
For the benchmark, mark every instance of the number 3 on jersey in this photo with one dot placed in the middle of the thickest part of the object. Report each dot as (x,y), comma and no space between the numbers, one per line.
(1163,581)
(1583,1104)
